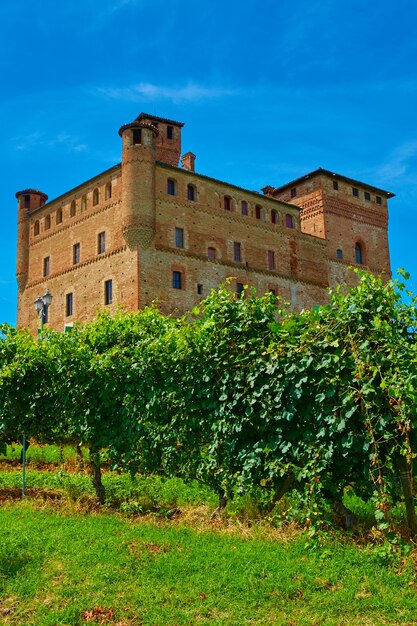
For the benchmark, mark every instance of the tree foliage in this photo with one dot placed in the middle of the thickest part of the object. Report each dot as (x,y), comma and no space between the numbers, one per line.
(241,393)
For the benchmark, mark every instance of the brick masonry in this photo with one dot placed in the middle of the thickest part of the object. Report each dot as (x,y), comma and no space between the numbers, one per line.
(297,239)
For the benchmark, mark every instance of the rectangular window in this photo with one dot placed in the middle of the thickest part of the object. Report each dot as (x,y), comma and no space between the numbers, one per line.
(244,207)
(227,203)
(101,243)
(177,280)
(200,289)
(46,266)
(76,250)
(335,185)
(355,192)
(137,136)
(69,303)
(378,199)
(237,251)
(289,222)
(293,192)
(170,132)
(239,288)
(271,260)
(179,237)
(26,202)
(108,292)
(367,196)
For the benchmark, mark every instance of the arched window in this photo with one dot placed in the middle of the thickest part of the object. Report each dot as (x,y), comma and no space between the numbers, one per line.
(339,254)
(59,216)
(73,208)
(107,194)
(244,206)
(358,253)
(47,222)
(274,216)
(95,197)
(83,203)
(258,212)
(191,193)
(36,228)
(211,252)
(171,187)
(227,203)
(289,221)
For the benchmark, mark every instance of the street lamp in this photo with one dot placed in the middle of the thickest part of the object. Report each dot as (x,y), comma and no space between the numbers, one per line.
(41,308)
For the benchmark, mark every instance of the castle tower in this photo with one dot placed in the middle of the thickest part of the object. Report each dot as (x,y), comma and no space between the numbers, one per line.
(168,141)
(351,216)
(138,183)
(28,200)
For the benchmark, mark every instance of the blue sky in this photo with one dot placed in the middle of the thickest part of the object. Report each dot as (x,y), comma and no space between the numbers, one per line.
(268,91)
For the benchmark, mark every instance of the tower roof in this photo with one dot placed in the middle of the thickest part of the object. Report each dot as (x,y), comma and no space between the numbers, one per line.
(146,116)
(321,171)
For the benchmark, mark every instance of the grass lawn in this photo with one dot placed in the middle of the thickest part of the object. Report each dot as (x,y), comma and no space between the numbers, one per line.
(155,557)
(59,567)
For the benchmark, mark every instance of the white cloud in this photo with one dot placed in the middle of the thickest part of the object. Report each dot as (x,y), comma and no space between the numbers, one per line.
(38,140)
(191,92)
(398,163)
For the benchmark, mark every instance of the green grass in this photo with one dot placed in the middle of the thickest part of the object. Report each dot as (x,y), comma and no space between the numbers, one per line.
(55,567)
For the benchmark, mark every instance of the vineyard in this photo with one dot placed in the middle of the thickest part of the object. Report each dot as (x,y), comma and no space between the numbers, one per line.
(241,394)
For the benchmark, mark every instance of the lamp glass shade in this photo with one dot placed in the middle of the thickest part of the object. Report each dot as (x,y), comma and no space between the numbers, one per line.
(38,304)
(47,298)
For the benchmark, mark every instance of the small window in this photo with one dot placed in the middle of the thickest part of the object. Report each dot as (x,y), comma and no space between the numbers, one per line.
(355,192)
(227,203)
(179,237)
(293,192)
(136,136)
(367,196)
(272,291)
(171,187)
(378,199)
(59,216)
(339,254)
(83,203)
(69,304)
(258,212)
(107,192)
(36,228)
(108,292)
(274,216)
(46,266)
(335,185)
(101,243)
(239,289)
(200,289)
(191,194)
(289,221)
(73,208)
(26,202)
(47,222)
(358,254)
(271,260)
(76,253)
(170,132)
(237,251)
(244,206)
(95,197)
(211,253)
(177,280)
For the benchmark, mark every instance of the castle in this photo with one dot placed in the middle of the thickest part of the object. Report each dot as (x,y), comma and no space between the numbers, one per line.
(147,230)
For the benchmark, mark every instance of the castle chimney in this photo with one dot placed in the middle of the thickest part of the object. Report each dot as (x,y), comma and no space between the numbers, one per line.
(188,161)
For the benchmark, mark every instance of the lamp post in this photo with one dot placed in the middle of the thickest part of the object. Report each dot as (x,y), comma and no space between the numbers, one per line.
(41,308)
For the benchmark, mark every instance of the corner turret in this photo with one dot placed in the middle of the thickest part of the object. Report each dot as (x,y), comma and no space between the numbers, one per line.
(28,200)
